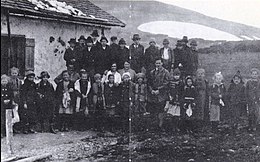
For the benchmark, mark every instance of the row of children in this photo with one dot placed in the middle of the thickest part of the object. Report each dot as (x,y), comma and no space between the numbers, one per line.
(188,100)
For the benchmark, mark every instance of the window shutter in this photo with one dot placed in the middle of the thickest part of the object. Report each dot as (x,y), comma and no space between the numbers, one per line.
(29,54)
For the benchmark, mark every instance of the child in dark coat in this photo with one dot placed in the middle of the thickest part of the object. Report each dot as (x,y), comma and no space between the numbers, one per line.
(98,101)
(7,98)
(217,102)
(126,99)
(202,108)
(140,91)
(236,99)
(64,94)
(46,102)
(253,99)
(189,105)
(29,99)
(176,87)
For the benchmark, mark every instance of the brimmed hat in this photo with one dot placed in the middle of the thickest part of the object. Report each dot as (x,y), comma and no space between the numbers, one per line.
(103,38)
(113,38)
(152,40)
(193,43)
(166,41)
(136,37)
(178,43)
(140,75)
(72,40)
(89,40)
(122,41)
(44,74)
(185,39)
(29,73)
(94,33)
(81,37)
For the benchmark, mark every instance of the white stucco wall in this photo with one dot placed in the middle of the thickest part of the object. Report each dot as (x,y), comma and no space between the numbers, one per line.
(41,31)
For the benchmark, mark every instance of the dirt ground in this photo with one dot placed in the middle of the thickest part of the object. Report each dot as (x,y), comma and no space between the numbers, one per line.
(146,144)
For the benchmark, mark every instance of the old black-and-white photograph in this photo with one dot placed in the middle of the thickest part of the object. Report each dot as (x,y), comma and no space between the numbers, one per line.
(130,80)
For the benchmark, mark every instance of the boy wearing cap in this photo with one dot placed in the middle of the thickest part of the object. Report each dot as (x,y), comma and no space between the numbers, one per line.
(140,91)
(46,102)
(136,54)
(167,55)
(253,99)
(29,99)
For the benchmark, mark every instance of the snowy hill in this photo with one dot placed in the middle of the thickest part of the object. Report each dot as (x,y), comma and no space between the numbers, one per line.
(140,13)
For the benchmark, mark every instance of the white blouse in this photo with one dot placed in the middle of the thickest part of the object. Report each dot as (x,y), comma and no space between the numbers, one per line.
(116,75)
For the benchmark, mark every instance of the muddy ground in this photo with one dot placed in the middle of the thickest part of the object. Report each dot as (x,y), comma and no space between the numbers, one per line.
(143,143)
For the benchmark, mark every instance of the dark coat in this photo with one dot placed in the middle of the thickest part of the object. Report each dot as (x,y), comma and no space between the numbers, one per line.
(122,56)
(167,64)
(253,91)
(69,55)
(29,92)
(194,61)
(158,81)
(176,91)
(126,91)
(183,57)
(111,95)
(202,87)
(60,90)
(46,98)
(236,94)
(136,57)
(6,94)
(150,55)
(215,91)
(114,53)
(88,58)
(101,59)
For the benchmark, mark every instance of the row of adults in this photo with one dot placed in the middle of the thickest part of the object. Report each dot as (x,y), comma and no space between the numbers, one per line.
(96,56)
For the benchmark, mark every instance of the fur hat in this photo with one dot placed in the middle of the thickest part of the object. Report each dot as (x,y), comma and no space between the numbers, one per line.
(193,43)
(44,74)
(97,76)
(113,38)
(94,33)
(103,38)
(136,37)
(89,40)
(122,41)
(140,75)
(176,72)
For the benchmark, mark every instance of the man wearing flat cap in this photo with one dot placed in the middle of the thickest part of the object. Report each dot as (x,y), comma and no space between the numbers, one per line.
(70,53)
(136,54)
(88,57)
(150,55)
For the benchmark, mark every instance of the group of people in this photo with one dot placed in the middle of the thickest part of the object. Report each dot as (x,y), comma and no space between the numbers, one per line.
(113,84)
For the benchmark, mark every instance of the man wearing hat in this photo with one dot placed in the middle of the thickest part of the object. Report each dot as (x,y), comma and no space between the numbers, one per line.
(80,48)
(122,54)
(95,37)
(102,60)
(136,54)
(150,55)
(167,55)
(70,54)
(114,48)
(88,57)
(194,56)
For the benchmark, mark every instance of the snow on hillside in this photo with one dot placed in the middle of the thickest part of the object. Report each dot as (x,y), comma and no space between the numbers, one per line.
(177,29)
(256,38)
(246,37)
